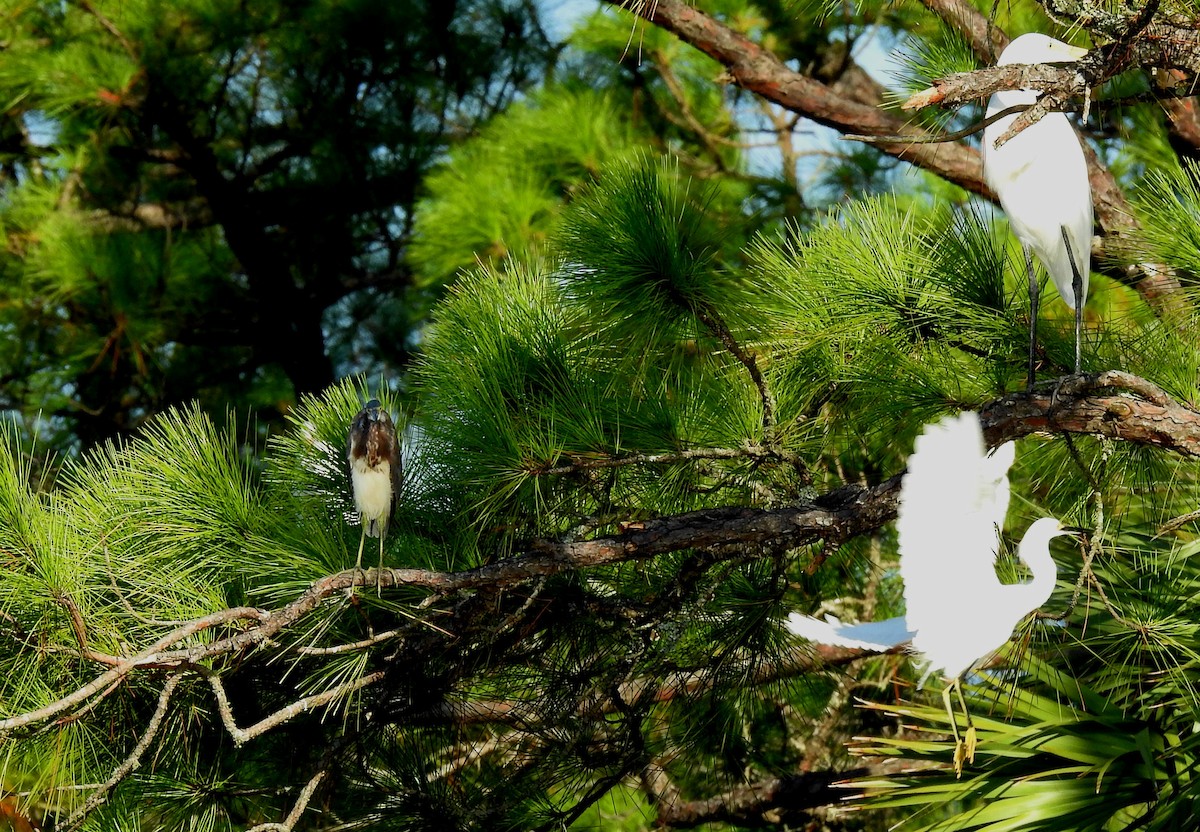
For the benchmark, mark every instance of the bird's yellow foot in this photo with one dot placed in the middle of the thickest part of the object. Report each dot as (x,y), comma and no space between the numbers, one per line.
(969,744)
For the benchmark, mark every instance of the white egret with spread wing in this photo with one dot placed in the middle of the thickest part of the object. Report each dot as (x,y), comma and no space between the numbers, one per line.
(1041,178)
(952,505)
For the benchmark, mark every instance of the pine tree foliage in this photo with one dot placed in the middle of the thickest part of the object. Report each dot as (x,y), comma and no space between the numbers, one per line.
(193,191)
(659,413)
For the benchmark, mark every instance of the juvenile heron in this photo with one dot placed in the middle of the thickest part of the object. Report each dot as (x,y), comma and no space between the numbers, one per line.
(952,504)
(375,475)
(1041,178)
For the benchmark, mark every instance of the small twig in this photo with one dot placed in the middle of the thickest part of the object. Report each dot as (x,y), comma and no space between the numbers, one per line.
(716,325)
(688,121)
(473,753)
(82,694)
(130,764)
(941,137)
(1093,545)
(347,648)
(77,626)
(1178,522)
(242,735)
(1108,605)
(125,602)
(75,716)
(748,450)
(293,817)
(1073,452)
(21,635)
(109,26)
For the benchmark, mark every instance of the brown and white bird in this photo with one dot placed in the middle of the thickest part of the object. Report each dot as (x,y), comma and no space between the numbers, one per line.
(375,475)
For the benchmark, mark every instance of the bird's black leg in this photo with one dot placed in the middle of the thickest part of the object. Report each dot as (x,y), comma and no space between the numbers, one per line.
(1077,291)
(1034,292)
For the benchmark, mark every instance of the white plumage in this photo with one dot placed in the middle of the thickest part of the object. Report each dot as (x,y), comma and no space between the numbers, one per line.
(1041,178)
(952,505)
(372,489)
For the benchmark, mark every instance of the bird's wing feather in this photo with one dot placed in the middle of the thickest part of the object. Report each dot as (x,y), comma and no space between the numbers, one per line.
(1041,178)
(952,502)
(397,472)
(871,635)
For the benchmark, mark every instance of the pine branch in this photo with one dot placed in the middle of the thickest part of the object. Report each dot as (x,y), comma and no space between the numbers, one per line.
(1113,404)
(109,27)
(795,662)
(965,87)
(778,800)
(293,817)
(243,735)
(748,451)
(131,762)
(715,324)
(986,39)
(757,70)
(148,657)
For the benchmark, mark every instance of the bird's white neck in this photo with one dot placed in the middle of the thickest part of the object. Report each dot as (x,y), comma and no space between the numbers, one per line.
(1034,550)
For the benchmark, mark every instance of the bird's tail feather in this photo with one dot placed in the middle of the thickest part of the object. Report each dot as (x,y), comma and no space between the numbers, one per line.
(871,635)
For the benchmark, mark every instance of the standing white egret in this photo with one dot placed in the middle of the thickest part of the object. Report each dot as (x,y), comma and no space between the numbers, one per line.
(1041,178)
(952,505)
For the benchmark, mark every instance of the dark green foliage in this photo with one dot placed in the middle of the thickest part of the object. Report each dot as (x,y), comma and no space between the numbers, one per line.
(644,249)
(198,189)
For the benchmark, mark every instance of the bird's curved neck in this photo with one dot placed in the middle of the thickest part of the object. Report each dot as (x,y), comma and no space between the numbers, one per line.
(1036,556)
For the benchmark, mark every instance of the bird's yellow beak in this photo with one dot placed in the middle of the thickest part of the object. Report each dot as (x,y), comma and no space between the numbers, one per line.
(1073,52)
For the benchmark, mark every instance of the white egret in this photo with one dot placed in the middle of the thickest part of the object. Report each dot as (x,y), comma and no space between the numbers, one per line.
(1041,178)
(952,505)
(373,452)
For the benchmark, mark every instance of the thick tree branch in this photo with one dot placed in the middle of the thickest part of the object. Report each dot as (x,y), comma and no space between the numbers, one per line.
(1113,404)
(963,87)
(756,69)
(773,802)
(986,39)
(1137,412)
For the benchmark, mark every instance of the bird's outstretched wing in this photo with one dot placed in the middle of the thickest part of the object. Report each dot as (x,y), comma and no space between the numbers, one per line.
(952,504)
(871,635)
